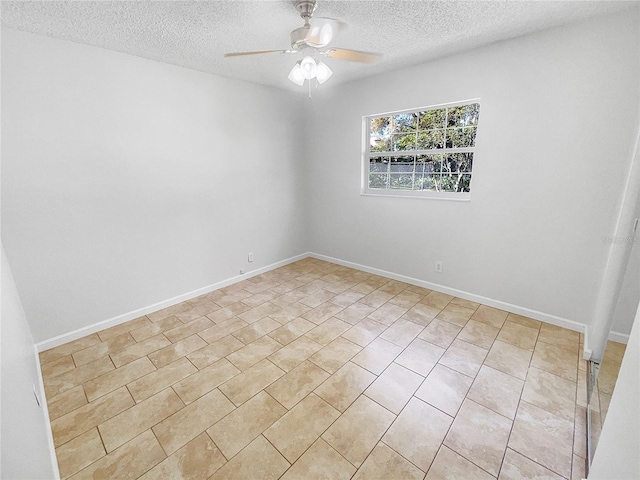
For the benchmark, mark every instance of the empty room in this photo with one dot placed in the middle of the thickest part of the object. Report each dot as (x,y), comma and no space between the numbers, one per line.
(320,240)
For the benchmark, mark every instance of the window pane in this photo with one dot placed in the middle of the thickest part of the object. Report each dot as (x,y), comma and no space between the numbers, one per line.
(381,144)
(402,164)
(380,126)
(402,142)
(377,180)
(405,122)
(401,181)
(431,119)
(378,164)
(461,137)
(455,182)
(458,162)
(464,116)
(465,184)
(447,183)
(429,182)
(431,140)
(429,163)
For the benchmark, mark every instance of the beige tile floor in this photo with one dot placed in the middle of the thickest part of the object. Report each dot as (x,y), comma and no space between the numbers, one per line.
(318,371)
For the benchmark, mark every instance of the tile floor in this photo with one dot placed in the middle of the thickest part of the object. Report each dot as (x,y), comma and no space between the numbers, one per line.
(318,371)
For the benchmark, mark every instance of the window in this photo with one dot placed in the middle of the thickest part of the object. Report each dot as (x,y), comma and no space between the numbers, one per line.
(426,152)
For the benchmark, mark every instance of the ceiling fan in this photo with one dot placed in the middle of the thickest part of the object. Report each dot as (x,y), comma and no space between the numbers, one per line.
(314,37)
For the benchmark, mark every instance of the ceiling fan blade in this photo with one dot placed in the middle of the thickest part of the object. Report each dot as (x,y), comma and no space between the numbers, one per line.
(352,55)
(322,31)
(258,52)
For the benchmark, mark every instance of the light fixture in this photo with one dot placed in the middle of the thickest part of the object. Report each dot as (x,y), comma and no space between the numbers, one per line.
(308,69)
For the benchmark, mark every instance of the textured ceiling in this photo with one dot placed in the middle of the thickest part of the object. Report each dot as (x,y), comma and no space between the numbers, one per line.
(196,34)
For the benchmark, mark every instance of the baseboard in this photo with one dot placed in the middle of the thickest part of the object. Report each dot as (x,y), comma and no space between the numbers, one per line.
(44,404)
(527,312)
(125,317)
(619,337)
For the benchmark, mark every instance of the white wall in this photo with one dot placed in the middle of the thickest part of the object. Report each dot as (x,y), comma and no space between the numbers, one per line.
(24,426)
(618,452)
(556,125)
(126,182)
(629,292)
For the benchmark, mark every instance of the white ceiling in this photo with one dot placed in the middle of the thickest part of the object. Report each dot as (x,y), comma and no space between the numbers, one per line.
(196,34)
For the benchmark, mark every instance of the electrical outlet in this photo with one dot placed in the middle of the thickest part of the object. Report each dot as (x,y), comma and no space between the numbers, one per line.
(439,266)
(250,257)
(241,272)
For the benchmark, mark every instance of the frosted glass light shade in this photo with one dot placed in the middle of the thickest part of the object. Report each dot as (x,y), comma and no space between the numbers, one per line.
(295,75)
(323,73)
(309,68)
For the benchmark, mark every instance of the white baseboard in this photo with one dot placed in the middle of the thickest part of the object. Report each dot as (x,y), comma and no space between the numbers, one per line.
(527,312)
(619,337)
(44,404)
(125,317)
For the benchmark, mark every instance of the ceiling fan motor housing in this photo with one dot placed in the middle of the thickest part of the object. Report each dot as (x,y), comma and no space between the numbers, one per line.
(298,38)
(306,8)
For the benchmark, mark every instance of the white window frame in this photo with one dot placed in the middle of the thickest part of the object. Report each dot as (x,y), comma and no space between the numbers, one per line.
(366,154)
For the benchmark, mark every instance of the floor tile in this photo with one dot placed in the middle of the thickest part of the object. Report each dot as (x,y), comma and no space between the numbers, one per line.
(124,328)
(335,354)
(402,332)
(202,382)
(517,467)
(354,313)
(198,311)
(421,314)
(497,391)
(251,354)
(522,320)
(456,314)
(171,353)
(465,303)
(58,366)
(578,468)
(554,394)
(394,387)
(406,299)
(288,332)
(292,355)
(377,356)
(168,311)
(322,313)
(448,465)
(261,311)
(544,438)
(221,329)
(66,381)
(252,332)
(376,299)
(328,331)
(289,312)
(114,379)
(186,330)
(480,435)
(358,430)
(158,380)
(556,360)
(518,335)
(383,462)
(301,426)
(127,462)
(318,298)
(259,460)
(445,389)
(490,316)
(387,313)
(198,459)
(297,384)
(80,452)
(154,328)
(246,384)
(245,423)
(560,337)
(464,357)
(440,333)
(346,298)
(213,352)
(138,350)
(343,387)
(101,349)
(132,422)
(418,432)
(66,402)
(479,334)
(437,299)
(89,416)
(364,332)
(68,348)
(509,359)
(320,462)
(420,356)
(184,425)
